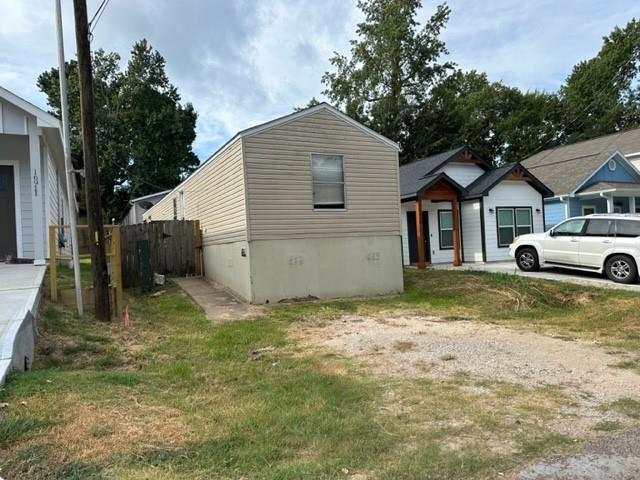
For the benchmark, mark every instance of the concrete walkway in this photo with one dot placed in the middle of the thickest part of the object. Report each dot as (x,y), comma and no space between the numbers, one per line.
(218,304)
(20,294)
(556,274)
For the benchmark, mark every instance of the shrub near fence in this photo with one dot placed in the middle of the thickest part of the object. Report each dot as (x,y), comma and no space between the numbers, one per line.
(174,248)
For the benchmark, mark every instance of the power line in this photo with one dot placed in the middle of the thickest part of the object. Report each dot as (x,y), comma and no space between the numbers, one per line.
(96,16)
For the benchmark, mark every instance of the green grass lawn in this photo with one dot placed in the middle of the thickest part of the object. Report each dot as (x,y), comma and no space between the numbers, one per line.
(175,397)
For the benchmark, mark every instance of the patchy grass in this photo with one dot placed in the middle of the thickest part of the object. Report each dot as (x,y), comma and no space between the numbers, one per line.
(176,397)
(608,426)
(628,406)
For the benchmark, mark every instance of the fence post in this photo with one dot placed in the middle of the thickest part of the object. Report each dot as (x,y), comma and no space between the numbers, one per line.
(53,264)
(116,269)
(197,244)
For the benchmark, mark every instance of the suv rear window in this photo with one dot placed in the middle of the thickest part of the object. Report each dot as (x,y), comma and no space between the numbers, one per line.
(628,228)
(599,228)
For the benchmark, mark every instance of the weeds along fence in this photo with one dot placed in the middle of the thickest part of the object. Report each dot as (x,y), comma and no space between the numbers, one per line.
(175,249)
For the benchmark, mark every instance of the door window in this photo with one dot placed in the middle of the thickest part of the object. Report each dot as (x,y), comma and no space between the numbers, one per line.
(570,228)
(599,228)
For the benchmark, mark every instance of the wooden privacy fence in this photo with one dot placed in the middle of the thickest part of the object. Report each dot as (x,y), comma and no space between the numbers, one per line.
(59,251)
(175,249)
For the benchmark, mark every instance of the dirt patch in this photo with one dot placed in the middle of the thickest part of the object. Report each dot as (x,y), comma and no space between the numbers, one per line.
(428,347)
(92,431)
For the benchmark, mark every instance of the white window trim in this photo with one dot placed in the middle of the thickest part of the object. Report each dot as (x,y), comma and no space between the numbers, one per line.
(514,226)
(588,206)
(17,201)
(440,229)
(344,183)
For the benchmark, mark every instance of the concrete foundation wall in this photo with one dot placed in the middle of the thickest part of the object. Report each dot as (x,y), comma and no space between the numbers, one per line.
(224,263)
(325,267)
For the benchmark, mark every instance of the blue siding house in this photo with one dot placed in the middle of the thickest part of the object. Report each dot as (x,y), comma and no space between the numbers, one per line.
(594,176)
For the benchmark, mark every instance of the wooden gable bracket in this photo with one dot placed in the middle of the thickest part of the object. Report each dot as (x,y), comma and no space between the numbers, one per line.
(466,156)
(518,174)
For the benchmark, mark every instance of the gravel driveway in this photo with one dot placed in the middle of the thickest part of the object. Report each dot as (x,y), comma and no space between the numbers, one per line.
(614,457)
(419,346)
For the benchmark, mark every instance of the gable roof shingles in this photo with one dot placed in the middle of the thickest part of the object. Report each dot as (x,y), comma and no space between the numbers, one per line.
(564,168)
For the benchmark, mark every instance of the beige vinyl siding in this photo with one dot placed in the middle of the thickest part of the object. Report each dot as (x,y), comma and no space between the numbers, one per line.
(215,195)
(279,181)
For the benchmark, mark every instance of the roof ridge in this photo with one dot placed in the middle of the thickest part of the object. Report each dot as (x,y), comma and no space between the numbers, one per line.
(560,147)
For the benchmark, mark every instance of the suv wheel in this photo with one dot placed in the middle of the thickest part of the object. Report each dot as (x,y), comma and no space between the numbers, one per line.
(621,269)
(527,259)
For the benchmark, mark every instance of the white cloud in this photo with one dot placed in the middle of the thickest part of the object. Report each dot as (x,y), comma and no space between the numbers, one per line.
(241,62)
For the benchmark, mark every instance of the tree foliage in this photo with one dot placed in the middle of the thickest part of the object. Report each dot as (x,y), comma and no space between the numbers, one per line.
(396,82)
(602,94)
(393,64)
(144,134)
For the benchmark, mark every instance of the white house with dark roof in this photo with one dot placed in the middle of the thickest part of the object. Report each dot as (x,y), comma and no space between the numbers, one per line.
(458,208)
(33,187)
(594,176)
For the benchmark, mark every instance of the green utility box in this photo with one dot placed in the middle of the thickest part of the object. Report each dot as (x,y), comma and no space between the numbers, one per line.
(144,266)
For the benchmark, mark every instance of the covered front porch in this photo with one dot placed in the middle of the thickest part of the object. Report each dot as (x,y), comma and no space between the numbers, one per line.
(607,198)
(431,222)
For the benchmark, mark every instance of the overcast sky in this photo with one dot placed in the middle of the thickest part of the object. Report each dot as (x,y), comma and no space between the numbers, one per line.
(242,62)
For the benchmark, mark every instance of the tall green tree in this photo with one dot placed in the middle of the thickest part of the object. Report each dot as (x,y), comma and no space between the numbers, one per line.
(392,65)
(144,134)
(502,123)
(602,94)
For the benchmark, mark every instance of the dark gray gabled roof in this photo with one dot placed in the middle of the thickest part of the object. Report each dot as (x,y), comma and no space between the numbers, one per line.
(563,169)
(484,183)
(417,185)
(414,175)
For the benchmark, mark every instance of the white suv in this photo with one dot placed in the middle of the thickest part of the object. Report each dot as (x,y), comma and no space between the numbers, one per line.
(603,243)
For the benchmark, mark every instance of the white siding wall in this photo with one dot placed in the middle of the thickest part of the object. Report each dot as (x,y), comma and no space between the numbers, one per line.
(471,231)
(215,195)
(462,173)
(13,119)
(27,210)
(509,193)
(279,181)
(437,255)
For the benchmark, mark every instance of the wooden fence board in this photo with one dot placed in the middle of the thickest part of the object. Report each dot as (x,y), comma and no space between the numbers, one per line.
(172,248)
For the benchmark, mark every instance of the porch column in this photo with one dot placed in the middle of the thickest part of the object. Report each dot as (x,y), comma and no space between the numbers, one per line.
(420,235)
(36,182)
(610,206)
(632,204)
(457,259)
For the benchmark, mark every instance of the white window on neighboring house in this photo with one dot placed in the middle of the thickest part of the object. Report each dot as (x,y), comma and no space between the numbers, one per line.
(175,208)
(512,222)
(181,212)
(328,181)
(588,209)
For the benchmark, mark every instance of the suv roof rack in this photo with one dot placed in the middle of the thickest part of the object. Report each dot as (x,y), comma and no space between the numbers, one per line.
(623,215)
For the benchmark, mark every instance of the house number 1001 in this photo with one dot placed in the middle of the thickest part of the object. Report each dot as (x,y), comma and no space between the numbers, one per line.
(35,182)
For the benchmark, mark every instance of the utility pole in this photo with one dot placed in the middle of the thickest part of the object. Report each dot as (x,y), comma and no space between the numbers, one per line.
(92,177)
(64,109)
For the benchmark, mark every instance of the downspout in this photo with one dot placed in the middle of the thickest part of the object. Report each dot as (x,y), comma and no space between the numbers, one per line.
(609,199)
(565,200)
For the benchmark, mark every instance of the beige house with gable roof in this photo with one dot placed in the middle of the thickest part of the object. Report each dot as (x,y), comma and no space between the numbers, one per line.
(307,205)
